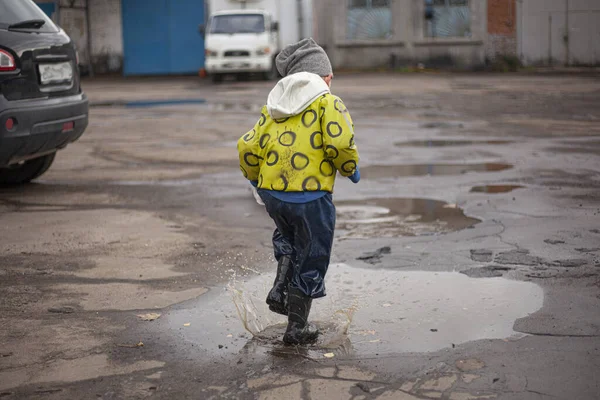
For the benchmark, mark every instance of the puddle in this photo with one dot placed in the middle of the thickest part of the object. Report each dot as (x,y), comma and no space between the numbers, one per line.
(367,312)
(392,171)
(450,143)
(373,218)
(493,189)
(232,106)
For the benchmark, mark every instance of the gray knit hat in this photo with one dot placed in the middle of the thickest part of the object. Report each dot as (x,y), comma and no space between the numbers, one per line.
(304,56)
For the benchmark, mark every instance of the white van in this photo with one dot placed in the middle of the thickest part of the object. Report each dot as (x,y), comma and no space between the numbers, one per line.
(240,41)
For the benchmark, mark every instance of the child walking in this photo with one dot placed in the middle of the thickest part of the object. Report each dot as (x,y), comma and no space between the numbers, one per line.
(304,137)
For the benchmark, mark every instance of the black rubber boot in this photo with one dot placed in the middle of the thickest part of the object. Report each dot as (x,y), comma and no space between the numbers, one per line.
(299,331)
(277,297)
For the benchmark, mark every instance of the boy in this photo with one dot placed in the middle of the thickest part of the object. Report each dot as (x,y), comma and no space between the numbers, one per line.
(303,137)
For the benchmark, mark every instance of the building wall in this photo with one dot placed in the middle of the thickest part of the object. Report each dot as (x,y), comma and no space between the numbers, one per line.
(406,45)
(559,32)
(502,29)
(107,35)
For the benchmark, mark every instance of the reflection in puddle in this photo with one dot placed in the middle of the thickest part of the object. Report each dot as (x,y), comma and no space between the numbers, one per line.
(448,143)
(158,103)
(398,217)
(495,188)
(366,312)
(233,106)
(391,171)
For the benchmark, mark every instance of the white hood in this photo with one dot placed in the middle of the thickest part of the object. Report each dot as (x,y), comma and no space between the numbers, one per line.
(294,93)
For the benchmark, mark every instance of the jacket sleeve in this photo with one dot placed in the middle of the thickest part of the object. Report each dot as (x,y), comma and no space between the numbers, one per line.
(248,151)
(338,135)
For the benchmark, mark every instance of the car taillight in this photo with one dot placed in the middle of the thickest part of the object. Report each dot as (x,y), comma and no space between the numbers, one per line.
(68,127)
(10,124)
(7,61)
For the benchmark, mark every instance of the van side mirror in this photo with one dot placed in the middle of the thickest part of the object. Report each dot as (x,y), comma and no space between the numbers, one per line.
(275,26)
(202,29)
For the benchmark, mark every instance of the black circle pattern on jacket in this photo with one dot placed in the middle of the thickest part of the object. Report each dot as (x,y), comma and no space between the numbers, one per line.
(260,181)
(334,149)
(249,136)
(244,172)
(349,166)
(352,141)
(285,184)
(252,160)
(272,158)
(264,140)
(316,140)
(339,106)
(299,161)
(281,120)
(287,138)
(309,118)
(327,168)
(308,181)
(334,129)
(263,119)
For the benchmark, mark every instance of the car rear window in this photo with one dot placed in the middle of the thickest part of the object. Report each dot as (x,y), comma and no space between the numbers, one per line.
(15,11)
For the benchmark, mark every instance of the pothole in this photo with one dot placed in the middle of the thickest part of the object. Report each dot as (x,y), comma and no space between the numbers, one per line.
(393,171)
(366,312)
(450,143)
(494,189)
(373,218)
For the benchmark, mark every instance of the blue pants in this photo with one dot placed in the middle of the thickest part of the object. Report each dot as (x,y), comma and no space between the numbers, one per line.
(305,233)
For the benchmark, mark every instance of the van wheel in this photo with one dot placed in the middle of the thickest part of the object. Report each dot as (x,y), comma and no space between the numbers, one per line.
(26,171)
(273,74)
(217,78)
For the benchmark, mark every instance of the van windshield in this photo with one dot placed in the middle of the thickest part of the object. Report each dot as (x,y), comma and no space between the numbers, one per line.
(237,23)
(24,15)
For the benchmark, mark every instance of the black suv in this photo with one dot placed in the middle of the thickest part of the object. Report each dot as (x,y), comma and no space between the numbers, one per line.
(42,106)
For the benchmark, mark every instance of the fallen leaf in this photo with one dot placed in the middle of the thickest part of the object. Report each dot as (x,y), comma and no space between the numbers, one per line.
(375,341)
(149,317)
(328,355)
(187,324)
(450,206)
(387,305)
(230,335)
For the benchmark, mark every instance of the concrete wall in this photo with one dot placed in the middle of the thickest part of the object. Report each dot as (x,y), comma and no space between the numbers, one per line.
(559,32)
(107,35)
(408,43)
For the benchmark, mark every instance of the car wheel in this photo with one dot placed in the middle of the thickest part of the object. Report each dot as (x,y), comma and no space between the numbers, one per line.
(217,78)
(26,171)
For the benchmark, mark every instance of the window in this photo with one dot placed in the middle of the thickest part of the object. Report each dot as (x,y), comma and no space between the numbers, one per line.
(447,18)
(15,11)
(237,23)
(369,19)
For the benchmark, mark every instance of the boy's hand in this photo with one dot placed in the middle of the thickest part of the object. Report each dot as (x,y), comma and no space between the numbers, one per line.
(355,178)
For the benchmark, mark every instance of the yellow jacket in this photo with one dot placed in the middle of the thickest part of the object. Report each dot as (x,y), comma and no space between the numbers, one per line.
(304,135)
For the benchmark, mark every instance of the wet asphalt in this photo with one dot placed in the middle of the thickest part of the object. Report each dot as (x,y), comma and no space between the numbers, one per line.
(466,263)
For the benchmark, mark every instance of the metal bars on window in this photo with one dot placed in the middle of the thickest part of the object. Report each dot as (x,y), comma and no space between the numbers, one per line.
(448,18)
(369,19)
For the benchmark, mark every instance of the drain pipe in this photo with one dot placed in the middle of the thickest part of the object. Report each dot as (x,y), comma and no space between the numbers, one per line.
(89,38)
(300,20)
(567,34)
(550,40)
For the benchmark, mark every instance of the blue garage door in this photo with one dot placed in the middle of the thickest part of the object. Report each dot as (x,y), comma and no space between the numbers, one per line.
(161,36)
